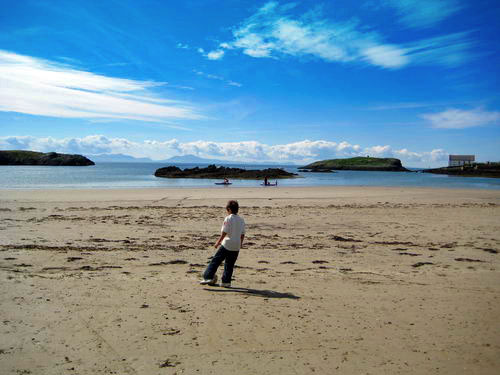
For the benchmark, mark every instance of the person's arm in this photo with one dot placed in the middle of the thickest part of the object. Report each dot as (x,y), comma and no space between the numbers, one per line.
(242,238)
(219,241)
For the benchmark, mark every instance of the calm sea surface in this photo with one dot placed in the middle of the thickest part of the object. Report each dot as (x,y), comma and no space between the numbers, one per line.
(141,175)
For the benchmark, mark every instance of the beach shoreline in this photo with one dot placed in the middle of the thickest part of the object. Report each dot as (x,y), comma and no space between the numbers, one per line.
(381,280)
(234,191)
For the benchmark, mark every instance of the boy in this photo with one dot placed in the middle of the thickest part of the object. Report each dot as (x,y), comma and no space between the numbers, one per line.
(230,241)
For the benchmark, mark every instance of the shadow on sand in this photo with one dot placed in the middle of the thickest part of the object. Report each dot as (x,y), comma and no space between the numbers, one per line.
(254,292)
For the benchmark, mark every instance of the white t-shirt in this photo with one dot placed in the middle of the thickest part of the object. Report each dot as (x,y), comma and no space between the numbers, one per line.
(234,226)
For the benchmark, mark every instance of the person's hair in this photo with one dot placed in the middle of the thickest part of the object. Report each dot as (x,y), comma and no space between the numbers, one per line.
(233,206)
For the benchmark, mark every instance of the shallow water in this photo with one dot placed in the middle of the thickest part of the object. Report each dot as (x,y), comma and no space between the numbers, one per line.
(141,175)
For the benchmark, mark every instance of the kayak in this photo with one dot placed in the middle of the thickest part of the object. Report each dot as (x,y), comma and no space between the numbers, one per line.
(269,184)
(223,183)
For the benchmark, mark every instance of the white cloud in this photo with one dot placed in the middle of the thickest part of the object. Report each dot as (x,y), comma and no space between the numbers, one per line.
(409,155)
(386,56)
(438,155)
(301,152)
(215,55)
(427,157)
(39,87)
(379,151)
(273,33)
(460,119)
(423,13)
(311,150)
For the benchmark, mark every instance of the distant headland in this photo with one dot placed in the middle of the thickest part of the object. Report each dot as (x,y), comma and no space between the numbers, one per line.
(19,157)
(357,164)
(469,170)
(212,171)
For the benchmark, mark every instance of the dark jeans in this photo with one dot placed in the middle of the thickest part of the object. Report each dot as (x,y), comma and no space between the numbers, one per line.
(229,258)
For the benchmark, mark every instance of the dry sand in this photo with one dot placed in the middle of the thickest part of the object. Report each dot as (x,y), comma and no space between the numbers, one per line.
(347,280)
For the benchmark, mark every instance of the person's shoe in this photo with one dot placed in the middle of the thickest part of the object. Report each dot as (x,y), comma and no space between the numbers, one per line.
(225,285)
(209,281)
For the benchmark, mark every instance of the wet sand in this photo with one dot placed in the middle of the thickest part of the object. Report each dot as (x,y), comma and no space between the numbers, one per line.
(348,280)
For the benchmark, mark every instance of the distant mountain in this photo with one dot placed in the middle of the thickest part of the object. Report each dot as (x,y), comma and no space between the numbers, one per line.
(193,159)
(180,159)
(121,158)
(117,158)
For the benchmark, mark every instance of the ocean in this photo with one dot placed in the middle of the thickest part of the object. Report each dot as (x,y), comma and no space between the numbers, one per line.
(141,175)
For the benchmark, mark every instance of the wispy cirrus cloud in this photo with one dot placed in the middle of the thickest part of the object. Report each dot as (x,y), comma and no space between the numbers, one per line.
(454,118)
(423,13)
(401,105)
(45,88)
(449,50)
(217,78)
(273,32)
(300,152)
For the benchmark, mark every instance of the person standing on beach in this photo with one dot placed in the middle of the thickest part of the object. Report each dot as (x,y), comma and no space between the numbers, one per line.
(229,245)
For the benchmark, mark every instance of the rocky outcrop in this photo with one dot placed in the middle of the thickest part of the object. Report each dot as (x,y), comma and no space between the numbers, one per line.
(213,171)
(39,158)
(317,170)
(357,164)
(473,170)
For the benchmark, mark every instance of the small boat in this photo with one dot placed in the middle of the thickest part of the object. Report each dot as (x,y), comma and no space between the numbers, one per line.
(223,183)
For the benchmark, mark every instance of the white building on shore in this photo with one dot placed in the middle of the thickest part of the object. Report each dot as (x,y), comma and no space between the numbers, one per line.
(459,160)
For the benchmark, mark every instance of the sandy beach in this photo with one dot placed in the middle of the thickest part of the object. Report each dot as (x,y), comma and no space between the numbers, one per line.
(331,280)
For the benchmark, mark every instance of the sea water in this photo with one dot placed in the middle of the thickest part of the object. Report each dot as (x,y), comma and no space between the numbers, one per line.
(141,175)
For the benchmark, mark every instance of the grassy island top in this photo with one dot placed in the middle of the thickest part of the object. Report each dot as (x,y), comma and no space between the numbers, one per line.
(358,163)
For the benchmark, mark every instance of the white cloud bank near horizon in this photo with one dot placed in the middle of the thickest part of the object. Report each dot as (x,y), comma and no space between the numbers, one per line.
(250,151)
(40,87)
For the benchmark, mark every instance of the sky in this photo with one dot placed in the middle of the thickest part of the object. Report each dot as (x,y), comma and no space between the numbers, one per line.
(251,81)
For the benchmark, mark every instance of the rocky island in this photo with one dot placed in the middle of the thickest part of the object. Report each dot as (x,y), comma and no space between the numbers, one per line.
(18,157)
(472,170)
(357,164)
(213,171)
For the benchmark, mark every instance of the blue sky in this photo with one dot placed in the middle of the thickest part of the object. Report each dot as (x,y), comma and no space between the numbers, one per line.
(252,80)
